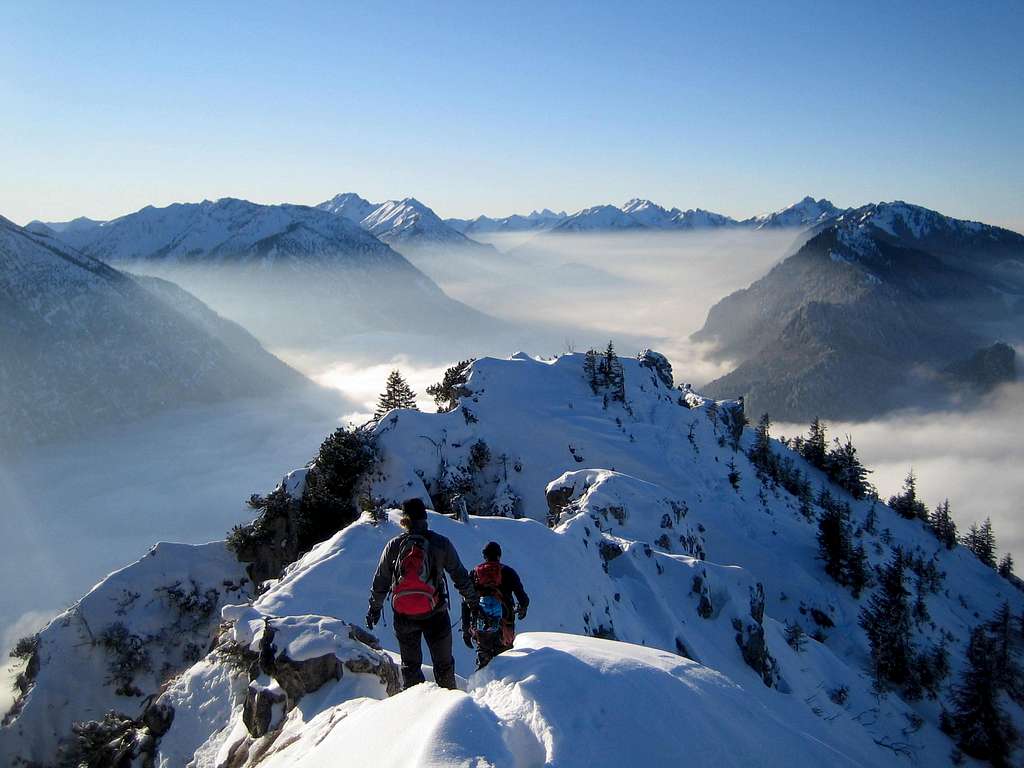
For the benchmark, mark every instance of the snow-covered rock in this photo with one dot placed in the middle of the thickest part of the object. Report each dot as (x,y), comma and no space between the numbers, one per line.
(111,650)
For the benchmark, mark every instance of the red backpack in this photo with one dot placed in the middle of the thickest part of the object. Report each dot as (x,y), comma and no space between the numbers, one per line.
(487,577)
(413,593)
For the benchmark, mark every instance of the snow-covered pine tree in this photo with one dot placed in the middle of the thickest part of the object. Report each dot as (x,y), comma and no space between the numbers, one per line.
(1006,661)
(981,540)
(795,636)
(886,622)
(834,536)
(608,365)
(906,504)
(846,470)
(760,454)
(942,525)
(397,394)
(590,369)
(813,448)
(446,392)
(858,570)
(1006,566)
(978,722)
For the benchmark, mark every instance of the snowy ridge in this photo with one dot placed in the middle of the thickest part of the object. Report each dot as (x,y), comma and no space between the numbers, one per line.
(535,221)
(805,213)
(228,231)
(408,219)
(632,528)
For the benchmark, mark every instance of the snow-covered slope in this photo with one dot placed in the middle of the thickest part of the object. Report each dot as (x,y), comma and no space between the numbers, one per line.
(698,218)
(231,231)
(805,213)
(258,264)
(86,345)
(642,215)
(350,205)
(641,522)
(409,219)
(598,218)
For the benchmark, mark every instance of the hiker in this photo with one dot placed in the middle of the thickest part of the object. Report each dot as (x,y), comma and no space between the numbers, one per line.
(412,568)
(492,623)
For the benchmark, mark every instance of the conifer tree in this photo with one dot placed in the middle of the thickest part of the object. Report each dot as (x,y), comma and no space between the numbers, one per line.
(397,394)
(858,571)
(941,524)
(906,504)
(1005,660)
(813,449)
(760,454)
(834,536)
(981,540)
(590,369)
(886,621)
(1006,566)
(845,469)
(608,365)
(795,636)
(981,728)
(446,392)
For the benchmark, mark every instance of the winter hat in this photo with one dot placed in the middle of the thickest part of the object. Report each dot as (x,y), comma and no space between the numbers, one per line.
(492,551)
(413,509)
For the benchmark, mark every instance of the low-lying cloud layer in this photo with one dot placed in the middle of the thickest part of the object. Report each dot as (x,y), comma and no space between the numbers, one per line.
(73,513)
(972,456)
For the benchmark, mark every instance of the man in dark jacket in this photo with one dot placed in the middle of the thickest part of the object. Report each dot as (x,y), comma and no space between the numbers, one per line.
(494,579)
(420,557)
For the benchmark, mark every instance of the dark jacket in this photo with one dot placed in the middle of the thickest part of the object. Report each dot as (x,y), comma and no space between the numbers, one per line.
(443,558)
(511,585)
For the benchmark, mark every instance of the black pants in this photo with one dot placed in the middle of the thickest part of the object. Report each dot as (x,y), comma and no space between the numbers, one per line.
(437,629)
(489,645)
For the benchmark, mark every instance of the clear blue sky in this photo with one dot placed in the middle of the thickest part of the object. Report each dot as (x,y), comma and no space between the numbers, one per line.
(494,108)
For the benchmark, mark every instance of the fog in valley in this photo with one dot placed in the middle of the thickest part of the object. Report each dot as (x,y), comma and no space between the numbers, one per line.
(74,511)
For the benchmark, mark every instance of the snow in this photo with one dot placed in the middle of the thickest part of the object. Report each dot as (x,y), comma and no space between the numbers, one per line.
(409,219)
(805,213)
(218,231)
(652,546)
(74,677)
(535,221)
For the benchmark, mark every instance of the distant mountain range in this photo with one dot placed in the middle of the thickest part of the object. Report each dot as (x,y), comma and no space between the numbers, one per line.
(406,222)
(886,305)
(641,214)
(536,221)
(294,275)
(86,345)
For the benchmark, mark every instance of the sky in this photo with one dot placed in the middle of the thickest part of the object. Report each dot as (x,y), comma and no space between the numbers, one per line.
(487,108)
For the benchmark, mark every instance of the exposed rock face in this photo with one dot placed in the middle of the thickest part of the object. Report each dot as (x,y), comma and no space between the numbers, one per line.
(558,499)
(263,709)
(278,682)
(750,638)
(658,363)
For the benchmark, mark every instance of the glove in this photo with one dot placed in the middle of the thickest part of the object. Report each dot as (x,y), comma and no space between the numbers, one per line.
(372,617)
(468,640)
(521,612)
